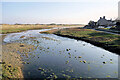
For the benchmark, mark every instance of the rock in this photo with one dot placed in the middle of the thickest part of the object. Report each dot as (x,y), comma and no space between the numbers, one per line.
(43,70)
(24,62)
(67,49)
(69,53)
(81,61)
(111,59)
(83,44)
(108,76)
(9,65)
(80,57)
(37,41)
(104,62)
(21,45)
(22,36)
(84,61)
(111,62)
(53,73)
(39,68)
(55,77)
(67,62)
(50,75)
(71,70)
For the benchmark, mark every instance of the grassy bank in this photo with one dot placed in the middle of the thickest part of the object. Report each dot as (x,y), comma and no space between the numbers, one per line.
(12,61)
(107,41)
(6,28)
(18,28)
(50,31)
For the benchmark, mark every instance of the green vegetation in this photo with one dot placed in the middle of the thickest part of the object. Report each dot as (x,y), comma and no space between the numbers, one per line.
(108,41)
(92,35)
(50,31)
(6,28)
(9,71)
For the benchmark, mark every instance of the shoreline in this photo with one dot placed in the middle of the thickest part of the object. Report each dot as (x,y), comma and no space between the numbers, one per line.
(102,45)
(69,34)
(12,48)
(5,29)
(22,30)
(12,60)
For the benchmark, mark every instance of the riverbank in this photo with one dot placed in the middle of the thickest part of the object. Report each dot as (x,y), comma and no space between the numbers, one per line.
(53,56)
(6,28)
(12,62)
(107,41)
(19,28)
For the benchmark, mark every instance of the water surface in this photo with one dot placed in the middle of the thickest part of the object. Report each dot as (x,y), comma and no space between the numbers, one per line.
(64,57)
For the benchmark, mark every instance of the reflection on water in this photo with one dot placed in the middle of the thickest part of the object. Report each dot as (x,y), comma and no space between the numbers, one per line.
(58,57)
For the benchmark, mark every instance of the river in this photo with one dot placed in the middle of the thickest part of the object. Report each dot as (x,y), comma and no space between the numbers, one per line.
(61,57)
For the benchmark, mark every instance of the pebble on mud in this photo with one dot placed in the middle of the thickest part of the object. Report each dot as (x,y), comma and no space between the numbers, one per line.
(21,45)
(80,57)
(69,53)
(39,68)
(81,61)
(104,62)
(84,61)
(67,49)
(22,36)
(67,62)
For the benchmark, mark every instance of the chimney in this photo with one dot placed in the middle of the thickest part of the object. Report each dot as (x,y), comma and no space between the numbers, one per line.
(103,17)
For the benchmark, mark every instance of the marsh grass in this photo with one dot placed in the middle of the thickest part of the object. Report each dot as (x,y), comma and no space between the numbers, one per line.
(50,31)
(92,35)
(107,41)
(18,28)
(6,28)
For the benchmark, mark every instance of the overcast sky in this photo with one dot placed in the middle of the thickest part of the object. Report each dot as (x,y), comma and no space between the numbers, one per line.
(58,11)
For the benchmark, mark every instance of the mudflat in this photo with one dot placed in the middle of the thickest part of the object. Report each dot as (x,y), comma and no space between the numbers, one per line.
(12,60)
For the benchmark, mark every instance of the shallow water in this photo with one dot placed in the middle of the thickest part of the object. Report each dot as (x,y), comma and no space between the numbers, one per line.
(59,56)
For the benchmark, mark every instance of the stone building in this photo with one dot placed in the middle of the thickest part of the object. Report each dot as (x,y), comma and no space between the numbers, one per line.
(104,22)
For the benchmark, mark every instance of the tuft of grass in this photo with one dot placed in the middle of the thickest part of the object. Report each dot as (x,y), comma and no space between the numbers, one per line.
(50,31)
(9,71)
(108,40)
